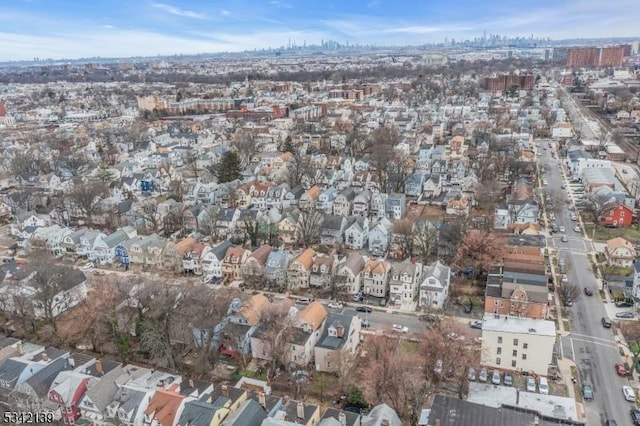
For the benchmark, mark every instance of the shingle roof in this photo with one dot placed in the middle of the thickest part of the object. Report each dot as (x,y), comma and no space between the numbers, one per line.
(313,315)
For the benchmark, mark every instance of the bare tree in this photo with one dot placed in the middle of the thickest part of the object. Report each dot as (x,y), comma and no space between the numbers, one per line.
(276,328)
(403,234)
(86,198)
(148,211)
(245,143)
(569,292)
(309,224)
(297,168)
(192,168)
(479,249)
(425,241)
(75,163)
(104,174)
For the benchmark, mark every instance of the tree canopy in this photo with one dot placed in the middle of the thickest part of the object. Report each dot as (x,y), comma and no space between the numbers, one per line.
(229,167)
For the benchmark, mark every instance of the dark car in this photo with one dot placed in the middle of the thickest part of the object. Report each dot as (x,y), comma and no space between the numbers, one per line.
(428,318)
(606,322)
(588,291)
(625,315)
(364,309)
(587,392)
(635,416)
(624,304)
(467,308)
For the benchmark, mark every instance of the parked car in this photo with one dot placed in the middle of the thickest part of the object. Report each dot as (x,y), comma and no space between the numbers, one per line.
(303,301)
(635,416)
(89,265)
(588,291)
(577,229)
(335,305)
(568,301)
(629,394)
(476,324)
(564,239)
(624,304)
(543,386)
(438,368)
(606,322)
(364,309)
(471,375)
(561,228)
(531,384)
(467,308)
(621,370)
(625,315)
(400,328)
(428,318)
(587,392)
(364,323)
(508,379)
(483,376)
(610,422)
(495,377)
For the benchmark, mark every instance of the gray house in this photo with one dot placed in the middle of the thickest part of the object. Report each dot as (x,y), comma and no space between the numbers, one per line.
(332,231)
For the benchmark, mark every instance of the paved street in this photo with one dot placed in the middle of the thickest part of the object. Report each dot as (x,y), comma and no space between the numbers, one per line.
(590,345)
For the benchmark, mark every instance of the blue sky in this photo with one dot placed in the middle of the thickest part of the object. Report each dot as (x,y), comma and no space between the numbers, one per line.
(120,28)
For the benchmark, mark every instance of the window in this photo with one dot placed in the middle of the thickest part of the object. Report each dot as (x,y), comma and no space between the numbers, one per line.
(525,345)
(498,361)
(515,353)
(499,351)
(499,339)
(515,342)
(524,356)
(513,363)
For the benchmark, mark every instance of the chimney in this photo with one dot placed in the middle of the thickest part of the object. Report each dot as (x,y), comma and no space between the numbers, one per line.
(342,418)
(340,330)
(224,391)
(72,362)
(19,348)
(45,357)
(99,369)
(262,400)
(300,409)
(191,384)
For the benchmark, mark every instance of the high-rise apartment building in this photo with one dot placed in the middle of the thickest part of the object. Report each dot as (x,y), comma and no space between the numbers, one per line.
(610,56)
(502,82)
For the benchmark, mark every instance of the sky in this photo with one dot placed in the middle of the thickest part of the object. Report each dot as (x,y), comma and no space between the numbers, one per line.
(123,28)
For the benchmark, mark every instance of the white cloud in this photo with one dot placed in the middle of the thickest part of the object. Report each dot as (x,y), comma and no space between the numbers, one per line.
(279,4)
(179,12)
(225,13)
(373,4)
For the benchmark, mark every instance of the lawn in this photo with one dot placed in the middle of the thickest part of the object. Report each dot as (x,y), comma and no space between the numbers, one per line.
(603,234)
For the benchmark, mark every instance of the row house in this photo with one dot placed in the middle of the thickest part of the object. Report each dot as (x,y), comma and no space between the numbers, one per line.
(105,248)
(289,228)
(405,277)
(253,268)
(326,199)
(213,258)
(309,198)
(432,187)
(235,257)
(332,230)
(322,271)
(192,258)
(339,341)
(147,250)
(276,267)
(375,277)
(349,273)
(361,203)
(380,237)
(435,286)
(356,233)
(299,271)
(309,324)
(275,197)
(378,205)
(292,197)
(342,205)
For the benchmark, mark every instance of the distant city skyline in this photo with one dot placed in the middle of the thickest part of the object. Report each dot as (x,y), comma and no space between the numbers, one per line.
(117,28)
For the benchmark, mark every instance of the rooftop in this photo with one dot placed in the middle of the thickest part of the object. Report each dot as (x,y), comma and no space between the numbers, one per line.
(507,324)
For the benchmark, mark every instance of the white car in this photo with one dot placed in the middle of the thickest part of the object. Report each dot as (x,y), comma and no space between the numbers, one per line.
(531,384)
(577,229)
(88,266)
(629,394)
(561,228)
(335,305)
(400,328)
(543,386)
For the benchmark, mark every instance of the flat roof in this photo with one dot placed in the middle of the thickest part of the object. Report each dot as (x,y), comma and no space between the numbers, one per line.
(508,324)
(550,406)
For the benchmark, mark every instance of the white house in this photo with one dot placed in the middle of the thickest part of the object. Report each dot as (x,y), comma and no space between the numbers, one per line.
(379,237)
(349,273)
(620,252)
(404,280)
(356,234)
(339,341)
(212,259)
(517,343)
(435,286)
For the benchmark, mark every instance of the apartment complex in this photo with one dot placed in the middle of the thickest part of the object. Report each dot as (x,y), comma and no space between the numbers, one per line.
(610,56)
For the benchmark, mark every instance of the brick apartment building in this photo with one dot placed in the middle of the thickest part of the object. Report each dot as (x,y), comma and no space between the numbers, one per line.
(610,56)
(3,109)
(502,82)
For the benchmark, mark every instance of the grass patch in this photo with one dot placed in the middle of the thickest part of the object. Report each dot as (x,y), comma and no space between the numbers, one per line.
(408,346)
(576,385)
(250,374)
(602,234)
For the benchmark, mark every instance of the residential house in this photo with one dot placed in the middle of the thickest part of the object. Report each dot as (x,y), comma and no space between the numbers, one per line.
(105,248)
(620,252)
(339,341)
(356,233)
(249,413)
(67,391)
(71,242)
(289,228)
(138,248)
(174,253)
(322,271)
(404,281)
(235,257)
(276,267)
(102,389)
(89,241)
(381,415)
(236,330)
(275,196)
(616,215)
(299,271)
(395,206)
(435,286)
(326,200)
(518,344)
(309,198)
(227,221)
(294,413)
(308,324)
(349,273)
(458,206)
(253,268)
(18,369)
(375,278)
(213,258)
(192,259)
(262,338)
(360,204)
(518,287)
(413,185)
(163,407)
(378,204)
(332,230)
(344,202)
(380,237)
(292,197)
